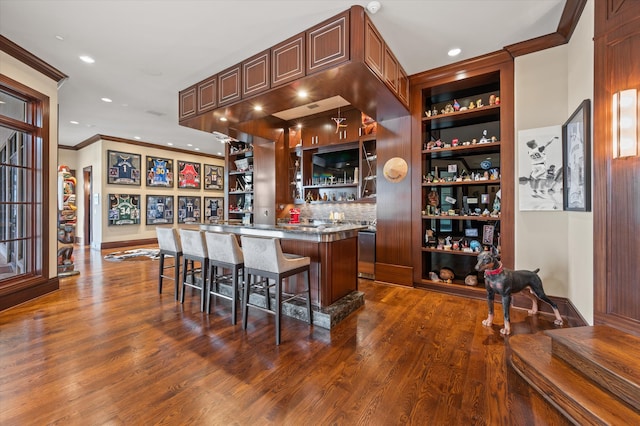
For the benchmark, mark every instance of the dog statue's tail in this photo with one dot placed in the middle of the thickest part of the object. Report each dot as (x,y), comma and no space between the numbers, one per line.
(535,271)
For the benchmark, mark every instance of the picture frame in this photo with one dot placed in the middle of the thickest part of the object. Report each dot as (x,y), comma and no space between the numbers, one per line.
(576,151)
(159,172)
(159,209)
(189,209)
(124,209)
(213,209)
(213,177)
(189,175)
(123,168)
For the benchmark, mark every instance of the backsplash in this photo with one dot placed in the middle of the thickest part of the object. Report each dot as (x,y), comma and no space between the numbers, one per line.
(353,212)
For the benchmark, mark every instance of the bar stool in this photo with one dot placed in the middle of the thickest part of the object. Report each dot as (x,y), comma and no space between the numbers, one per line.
(263,257)
(169,243)
(224,253)
(194,252)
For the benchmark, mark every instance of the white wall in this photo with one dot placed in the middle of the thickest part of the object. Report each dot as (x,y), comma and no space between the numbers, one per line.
(16,70)
(549,86)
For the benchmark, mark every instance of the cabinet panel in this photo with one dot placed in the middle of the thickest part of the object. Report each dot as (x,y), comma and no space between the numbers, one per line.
(373,48)
(390,70)
(336,128)
(207,94)
(229,82)
(403,86)
(288,60)
(328,43)
(255,74)
(187,103)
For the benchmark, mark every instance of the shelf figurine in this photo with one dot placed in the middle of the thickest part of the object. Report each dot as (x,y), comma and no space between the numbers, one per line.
(456,105)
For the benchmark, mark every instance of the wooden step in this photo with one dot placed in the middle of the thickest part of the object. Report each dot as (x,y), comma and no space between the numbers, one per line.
(579,399)
(605,355)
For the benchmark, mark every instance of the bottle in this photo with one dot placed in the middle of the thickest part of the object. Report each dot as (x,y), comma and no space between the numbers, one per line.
(355,175)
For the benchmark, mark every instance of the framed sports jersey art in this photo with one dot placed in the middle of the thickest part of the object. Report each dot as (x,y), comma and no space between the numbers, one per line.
(123,168)
(124,209)
(213,177)
(189,209)
(159,209)
(159,172)
(213,209)
(188,175)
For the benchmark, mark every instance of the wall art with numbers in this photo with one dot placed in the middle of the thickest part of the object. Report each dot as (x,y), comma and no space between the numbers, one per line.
(123,168)
(124,209)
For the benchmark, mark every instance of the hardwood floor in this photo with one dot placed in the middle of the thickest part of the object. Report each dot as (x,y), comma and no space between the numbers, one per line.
(107,349)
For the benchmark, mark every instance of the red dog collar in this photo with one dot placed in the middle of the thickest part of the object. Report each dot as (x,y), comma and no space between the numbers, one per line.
(497,271)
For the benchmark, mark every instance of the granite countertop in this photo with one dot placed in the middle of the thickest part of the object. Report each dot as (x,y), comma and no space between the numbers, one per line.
(323,232)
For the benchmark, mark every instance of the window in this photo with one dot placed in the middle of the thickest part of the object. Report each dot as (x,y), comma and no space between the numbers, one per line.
(22,179)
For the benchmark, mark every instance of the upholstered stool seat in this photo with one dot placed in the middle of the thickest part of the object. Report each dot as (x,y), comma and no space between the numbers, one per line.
(263,257)
(224,254)
(195,259)
(169,243)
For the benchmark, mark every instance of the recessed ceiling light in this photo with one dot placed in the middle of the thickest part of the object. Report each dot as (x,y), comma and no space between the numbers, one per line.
(219,153)
(454,52)
(299,125)
(59,37)
(74,122)
(223,118)
(137,137)
(170,143)
(257,108)
(107,100)
(197,149)
(302,94)
(189,144)
(87,59)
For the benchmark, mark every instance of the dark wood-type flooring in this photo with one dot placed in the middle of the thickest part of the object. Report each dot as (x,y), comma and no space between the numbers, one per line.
(107,349)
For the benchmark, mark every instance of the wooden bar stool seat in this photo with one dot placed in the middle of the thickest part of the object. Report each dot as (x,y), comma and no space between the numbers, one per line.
(224,254)
(195,260)
(169,243)
(263,257)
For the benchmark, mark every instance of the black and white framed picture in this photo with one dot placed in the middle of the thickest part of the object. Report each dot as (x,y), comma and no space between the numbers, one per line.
(159,209)
(188,175)
(213,209)
(124,209)
(159,172)
(576,150)
(189,209)
(213,177)
(540,168)
(123,168)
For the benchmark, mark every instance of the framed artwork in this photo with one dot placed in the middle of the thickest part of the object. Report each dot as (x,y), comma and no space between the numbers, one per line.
(159,209)
(188,175)
(188,209)
(213,209)
(124,209)
(576,152)
(540,168)
(123,168)
(159,172)
(213,177)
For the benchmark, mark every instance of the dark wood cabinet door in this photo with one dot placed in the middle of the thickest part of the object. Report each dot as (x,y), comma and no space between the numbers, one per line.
(373,48)
(403,86)
(207,91)
(390,70)
(328,43)
(187,103)
(229,82)
(288,60)
(255,74)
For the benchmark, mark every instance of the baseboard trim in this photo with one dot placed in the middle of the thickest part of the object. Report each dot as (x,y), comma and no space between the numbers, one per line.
(566,308)
(128,243)
(394,274)
(23,294)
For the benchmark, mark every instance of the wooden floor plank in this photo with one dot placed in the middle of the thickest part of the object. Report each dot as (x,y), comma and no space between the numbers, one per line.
(108,349)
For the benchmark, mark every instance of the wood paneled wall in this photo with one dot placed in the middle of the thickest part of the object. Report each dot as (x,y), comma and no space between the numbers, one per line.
(616,181)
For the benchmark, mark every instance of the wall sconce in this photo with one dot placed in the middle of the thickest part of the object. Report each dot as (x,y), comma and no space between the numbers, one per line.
(625,123)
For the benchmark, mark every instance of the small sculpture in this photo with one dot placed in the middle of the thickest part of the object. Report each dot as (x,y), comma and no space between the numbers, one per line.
(456,105)
(484,139)
(492,100)
(479,103)
(448,109)
(472,105)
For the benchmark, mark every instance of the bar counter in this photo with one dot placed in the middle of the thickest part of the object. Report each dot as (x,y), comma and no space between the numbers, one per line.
(333,249)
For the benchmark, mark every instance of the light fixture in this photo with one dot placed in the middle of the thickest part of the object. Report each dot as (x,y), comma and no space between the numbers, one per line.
(373,7)
(454,52)
(302,94)
(137,138)
(223,118)
(87,59)
(257,108)
(107,100)
(74,122)
(624,123)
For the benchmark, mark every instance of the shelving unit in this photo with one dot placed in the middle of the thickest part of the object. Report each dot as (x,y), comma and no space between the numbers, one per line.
(369,161)
(240,178)
(462,149)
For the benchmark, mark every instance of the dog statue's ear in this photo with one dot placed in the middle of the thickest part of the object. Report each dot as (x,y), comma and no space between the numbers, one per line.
(495,252)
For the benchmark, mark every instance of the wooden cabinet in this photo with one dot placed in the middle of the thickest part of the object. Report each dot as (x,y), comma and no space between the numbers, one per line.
(390,70)
(240,179)
(288,60)
(207,94)
(403,86)
(229,85)
(373,48)
(328,43)
(461,210)
(187,103)
(256,76)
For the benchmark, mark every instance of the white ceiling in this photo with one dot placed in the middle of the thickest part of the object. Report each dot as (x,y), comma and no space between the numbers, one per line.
(148,50)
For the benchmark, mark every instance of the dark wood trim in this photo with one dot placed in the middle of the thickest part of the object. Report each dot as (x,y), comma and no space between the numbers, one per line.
(97,138)
(128,243)
(568,311)
(568,22)
(14,295)
(29,59)
(394,274)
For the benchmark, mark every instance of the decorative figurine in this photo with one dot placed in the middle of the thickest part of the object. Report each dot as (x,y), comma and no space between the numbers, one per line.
(492,100)
(479,103)
(448,109)
(456,105)
(472,105)
(484,139)
(497,100)
(428,113)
